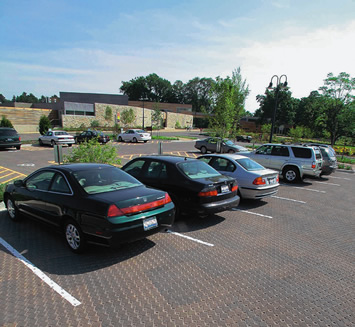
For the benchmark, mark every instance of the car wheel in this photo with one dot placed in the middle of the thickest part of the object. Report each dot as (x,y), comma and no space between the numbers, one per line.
(52,143)
(290,174)
(135,140)
(18,147)
(40,142)
(203,150)
(12,209)
(177,206)
(145,141)
(74,236)
(230,151)
(69,145)
(120,139)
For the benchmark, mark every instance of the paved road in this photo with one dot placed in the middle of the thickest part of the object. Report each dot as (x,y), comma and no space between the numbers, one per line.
(288,260)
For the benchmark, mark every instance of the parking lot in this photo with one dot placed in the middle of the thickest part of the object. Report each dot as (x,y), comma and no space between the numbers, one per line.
(288,260)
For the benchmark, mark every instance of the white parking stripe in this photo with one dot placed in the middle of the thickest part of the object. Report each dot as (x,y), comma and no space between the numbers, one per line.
(252,213)
(279,197)
(347,179)
(327,183)
(73,301)
(304,188)
(190,238)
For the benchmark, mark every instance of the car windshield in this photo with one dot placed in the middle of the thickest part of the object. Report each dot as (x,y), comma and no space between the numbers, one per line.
(197,169)
(108,179)
(229,142)
(61,133)
(140,131)
(249,164)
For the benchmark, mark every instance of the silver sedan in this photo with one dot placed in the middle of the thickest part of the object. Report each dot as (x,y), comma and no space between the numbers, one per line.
(134,135)
(254,180)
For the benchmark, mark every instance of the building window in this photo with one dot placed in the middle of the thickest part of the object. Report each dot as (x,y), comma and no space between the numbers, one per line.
(79,109)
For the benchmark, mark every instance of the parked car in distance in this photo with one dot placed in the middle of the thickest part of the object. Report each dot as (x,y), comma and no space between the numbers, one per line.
(89,134)
(254,180)
(90,203)
(293,161)
(244,138)
(210,144)
(194,186)
(9,138)
(134,135)
(56,137)
(330,163)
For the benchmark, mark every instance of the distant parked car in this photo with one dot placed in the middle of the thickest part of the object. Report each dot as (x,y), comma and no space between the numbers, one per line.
(330,163)
(90,203)
(56,137)
(210,144)
(134,135)
(194,186)
(9,138)
(293,161)
(244,138)
(88,135)
(254,180)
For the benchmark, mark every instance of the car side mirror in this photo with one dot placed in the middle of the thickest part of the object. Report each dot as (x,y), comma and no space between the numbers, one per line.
(19,183)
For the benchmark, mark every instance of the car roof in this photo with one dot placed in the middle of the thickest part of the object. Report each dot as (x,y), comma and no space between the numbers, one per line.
(167,158)
(78,166)
(227,155)
(7,128)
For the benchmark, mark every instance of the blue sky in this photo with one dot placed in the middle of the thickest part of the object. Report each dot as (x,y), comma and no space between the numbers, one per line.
(48,46)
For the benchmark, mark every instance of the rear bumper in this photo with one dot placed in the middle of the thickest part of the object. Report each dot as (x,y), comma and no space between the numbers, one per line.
(250,193)
(218,206)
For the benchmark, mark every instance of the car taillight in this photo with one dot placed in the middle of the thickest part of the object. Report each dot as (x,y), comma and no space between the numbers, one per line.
(114,211)
(234,188)
(277,178)
(204,193)
(313,164)
(19,138)
(259,181)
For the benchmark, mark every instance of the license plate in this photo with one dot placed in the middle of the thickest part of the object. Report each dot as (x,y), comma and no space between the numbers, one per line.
(272,180)
(150,223)
(224,188)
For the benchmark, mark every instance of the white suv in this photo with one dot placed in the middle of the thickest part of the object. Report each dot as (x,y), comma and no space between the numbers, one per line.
(292,161)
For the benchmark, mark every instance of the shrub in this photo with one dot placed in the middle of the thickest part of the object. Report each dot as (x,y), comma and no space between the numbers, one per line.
(92,151)
(177,125)
(44,124)
(2,190)
(95,124)
(108,113)
(5,122)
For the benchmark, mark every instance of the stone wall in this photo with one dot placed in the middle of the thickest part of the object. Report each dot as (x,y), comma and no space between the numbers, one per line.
(26,120)
(170,118)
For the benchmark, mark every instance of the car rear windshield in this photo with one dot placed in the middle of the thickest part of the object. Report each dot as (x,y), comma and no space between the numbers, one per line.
(302,152)
(8,132)
(105,180)
(197,169)
(249,164)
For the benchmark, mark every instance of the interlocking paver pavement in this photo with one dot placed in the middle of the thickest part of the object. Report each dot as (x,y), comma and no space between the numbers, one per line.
(296,269)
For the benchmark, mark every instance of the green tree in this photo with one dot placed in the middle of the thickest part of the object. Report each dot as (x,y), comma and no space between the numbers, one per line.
(27,98)
(296,133)
(127,117)
(197,92)
(93,151)
(108,113)
(228,96)
(5,122)
(157,119)
(338,105)
(3,99)
(44,124)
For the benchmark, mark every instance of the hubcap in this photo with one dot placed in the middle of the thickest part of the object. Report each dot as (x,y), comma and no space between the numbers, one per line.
(73,236)
(290,175)
(11,209)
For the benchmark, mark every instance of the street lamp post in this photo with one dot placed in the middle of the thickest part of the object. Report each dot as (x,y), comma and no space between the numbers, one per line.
(279,85)
(143,99)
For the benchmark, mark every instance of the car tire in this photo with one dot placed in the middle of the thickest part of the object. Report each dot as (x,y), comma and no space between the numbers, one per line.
(145,141)
(12,209)
(18,147)
(120,139)
(203,150)
(53,143)
(291,174)
(231,151)
(69,145)
(74,237)
(40,142)
(135,140)
(177,206)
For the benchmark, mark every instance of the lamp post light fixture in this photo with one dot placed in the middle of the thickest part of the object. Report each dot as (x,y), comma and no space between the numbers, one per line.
(279,85)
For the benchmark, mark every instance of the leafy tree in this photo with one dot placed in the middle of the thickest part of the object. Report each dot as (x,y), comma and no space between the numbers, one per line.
(93,151)
(286,106)
(127,117)
(197,92)
(5,122)
(3,99)
(108,113)
(27,98)
(44,124)
(157,119)
(338,105)
(296,133)
(228,96)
